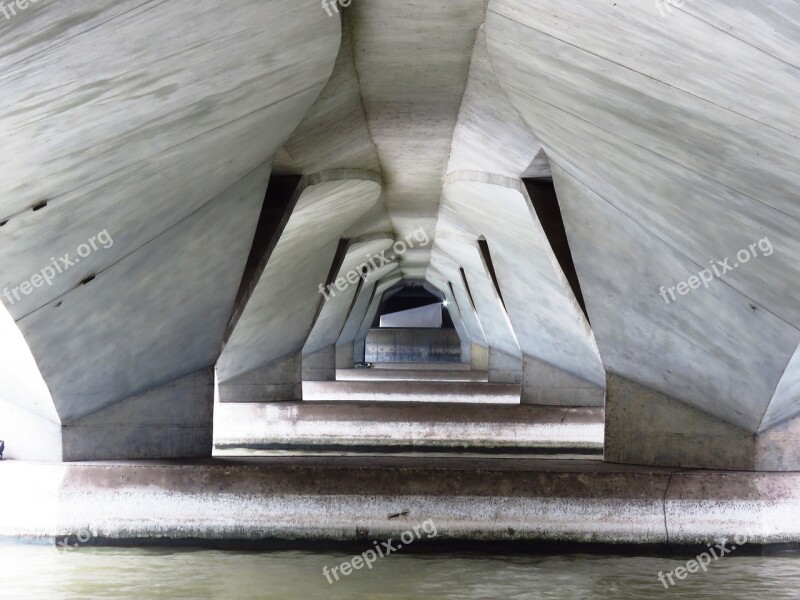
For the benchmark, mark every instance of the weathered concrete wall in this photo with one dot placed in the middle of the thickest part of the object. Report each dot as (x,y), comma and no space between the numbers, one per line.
(173,170)
(171,421)
(412,391)
(393,427)
(281,311)
(345,354)
(413,345)
(504,368)
(647,427)
(320,365)
(480,358)
(663,171)
(328,500)
(543,383)
(412,373)
(279,381)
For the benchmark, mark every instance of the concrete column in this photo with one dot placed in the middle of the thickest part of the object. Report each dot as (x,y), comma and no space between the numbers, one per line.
(479,357)
(359,350)
(171,421)
(320,365)
(504,368)
(344,356)
(646,427)
(543,383)
(279,381)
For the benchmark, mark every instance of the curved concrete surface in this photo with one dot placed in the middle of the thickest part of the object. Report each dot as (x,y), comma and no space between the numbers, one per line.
(159,138)
(281,502)
(158,127)
(661,167)
(266,332)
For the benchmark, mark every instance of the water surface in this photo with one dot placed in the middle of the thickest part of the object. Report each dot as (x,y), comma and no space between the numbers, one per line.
(36,572)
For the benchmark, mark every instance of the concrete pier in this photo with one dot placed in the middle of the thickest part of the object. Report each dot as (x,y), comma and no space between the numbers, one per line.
(286,502)
(393,427)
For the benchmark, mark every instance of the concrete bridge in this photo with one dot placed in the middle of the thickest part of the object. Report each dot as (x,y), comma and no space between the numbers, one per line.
(205,207)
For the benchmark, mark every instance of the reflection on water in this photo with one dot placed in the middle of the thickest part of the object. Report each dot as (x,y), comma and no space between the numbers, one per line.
(28,572)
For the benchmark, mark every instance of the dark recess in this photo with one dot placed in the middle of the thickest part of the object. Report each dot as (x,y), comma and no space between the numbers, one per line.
(483,246)
(279,202)
(408,298)
(545,203)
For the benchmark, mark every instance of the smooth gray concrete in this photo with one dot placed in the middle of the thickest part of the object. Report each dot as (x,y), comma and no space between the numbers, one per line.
(542,383)
(320,366)
(382,374)
(647,427)
(164,141)
(386,427)
(356,500)
(281,312)
(413,345)
(534,295)
(172,421)
(412,74)
(412,391)
(29,422)
(416,115)
(340,299)
(504,368)
(662,168)
(408,366)
(278,381)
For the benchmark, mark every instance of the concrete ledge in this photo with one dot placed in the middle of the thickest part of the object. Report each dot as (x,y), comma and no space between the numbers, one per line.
(410,375)
(363,427)
(346,500)
(425,366)
(411,391)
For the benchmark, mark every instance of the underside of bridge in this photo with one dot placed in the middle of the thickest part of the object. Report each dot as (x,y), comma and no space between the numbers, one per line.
(225,229)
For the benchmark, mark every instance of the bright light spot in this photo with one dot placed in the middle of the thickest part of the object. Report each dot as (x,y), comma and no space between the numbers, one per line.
(445,303)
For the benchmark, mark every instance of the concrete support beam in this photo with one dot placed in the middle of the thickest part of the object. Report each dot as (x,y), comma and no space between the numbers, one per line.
(261,360)
(479,357)
(646,427)
(649,428)
(411,391)
(345,356)
(543,383)
(504,368)
(406,427)
(171,421)
(320,366)
(279,381)
(413,345)
(283,502)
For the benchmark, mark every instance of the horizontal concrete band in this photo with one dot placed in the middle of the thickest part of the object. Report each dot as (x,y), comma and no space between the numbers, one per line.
(428,425)
(374,499)
(424,366)
(410,375)
(412,391)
